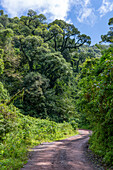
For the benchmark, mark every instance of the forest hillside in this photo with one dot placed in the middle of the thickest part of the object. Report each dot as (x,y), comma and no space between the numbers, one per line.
(52,82)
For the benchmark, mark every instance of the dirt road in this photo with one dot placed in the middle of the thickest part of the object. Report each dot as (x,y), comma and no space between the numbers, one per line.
(65,154)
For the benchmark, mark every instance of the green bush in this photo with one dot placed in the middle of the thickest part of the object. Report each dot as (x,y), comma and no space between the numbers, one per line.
(96,103)
(19,132)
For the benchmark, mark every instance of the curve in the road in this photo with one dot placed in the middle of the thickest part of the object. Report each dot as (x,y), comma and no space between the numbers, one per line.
(65,154)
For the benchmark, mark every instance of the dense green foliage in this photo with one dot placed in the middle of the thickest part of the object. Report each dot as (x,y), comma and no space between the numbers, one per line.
(19,132)
(36,78)
(49,71)
(96,102)
(34,56)
(94,96)
(109,36)
(80,55)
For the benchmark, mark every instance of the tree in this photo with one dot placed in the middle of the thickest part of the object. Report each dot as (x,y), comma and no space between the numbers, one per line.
(66,36)
(79,56)
(42,31)
(47,87)
(34,98)
(5,37)
(28,47)
(32,20)
(55,67)
(96,101)
(3,19)
(1,61)
(109,36)
(3,92)
(37,57)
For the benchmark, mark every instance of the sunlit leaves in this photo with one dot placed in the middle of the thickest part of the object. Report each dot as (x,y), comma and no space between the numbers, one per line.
(5,35)
(55,67)
(35,86)
(96,101)
(109,36)
(1,61)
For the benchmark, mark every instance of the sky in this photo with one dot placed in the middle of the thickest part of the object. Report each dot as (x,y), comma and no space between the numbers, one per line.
(89,16)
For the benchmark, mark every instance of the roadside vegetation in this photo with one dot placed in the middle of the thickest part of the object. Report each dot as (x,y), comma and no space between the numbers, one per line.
(96,103)
(18,133)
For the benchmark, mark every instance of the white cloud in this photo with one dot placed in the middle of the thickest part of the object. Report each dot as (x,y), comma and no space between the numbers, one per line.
(106,7)
(55,8)
(69,21)
(85,12)
(87,2)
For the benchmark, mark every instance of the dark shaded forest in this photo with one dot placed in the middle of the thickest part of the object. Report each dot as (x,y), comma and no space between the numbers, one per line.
(51,83)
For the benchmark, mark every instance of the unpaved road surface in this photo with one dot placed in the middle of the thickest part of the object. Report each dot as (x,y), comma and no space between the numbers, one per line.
(65,154)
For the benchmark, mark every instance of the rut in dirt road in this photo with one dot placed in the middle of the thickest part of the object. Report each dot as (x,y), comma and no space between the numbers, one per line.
(65,154)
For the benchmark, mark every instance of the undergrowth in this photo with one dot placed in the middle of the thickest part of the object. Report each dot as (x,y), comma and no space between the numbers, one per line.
(18,133)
